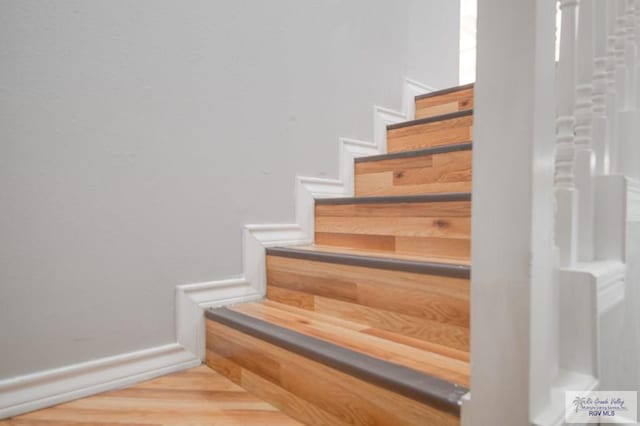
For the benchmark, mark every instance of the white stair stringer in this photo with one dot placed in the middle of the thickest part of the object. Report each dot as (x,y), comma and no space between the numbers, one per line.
(192,299)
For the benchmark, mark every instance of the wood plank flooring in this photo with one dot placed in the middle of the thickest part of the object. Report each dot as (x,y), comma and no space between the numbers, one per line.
(199,396)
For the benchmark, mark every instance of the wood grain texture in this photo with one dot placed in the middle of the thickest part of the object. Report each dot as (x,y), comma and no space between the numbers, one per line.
(454,101)
(431,308)
(307,390)
(353,335)
(437,133)
(198,396)
(427,174)
(428,229)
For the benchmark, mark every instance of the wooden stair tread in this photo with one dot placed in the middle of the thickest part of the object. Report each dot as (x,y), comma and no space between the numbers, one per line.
(381,254)
(453,147)
(411,383)
(441,169)
(428,120)
(425,301)
(397,199)
(444,101)
(354,336)
(448,90)
(438,130)
(372,260)
(421,225)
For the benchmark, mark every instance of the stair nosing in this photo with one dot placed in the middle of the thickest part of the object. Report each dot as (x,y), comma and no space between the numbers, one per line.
(441,149)
(382,199)
(444,91)
(406,381)
(451,270)
(427,120)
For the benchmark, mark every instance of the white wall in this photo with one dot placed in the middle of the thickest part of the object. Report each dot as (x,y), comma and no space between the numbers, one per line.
(468,18)
(137,137)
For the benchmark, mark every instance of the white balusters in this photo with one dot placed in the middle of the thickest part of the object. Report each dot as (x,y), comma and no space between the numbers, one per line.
(584,88)
(566,219)
(583,165)
(611,95)
(598,107)
(599,128)
(565,96)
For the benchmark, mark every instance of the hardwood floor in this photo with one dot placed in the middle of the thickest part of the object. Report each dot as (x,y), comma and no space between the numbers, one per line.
(199,396)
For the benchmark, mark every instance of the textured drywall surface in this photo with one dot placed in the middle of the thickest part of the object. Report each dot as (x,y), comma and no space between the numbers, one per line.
(137,137)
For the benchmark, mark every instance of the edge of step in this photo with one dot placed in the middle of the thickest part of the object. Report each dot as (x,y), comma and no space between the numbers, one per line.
(381,199)
(405,265)
(444,91)
(441,149)
(413,384)
(427,120)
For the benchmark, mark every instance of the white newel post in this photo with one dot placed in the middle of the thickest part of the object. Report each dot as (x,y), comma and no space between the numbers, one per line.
(566,197)
(512,290)
(584,159)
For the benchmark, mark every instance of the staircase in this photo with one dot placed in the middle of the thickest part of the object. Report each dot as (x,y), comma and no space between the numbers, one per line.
(370,325)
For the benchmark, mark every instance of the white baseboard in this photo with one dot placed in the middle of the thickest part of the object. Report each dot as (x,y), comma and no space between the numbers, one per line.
(34,391)
(382,117)
(412,89)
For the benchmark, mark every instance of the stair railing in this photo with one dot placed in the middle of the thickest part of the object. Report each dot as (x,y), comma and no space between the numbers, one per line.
(597,86)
